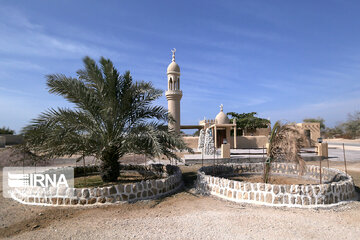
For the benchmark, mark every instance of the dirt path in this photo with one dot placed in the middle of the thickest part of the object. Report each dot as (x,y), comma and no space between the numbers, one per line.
(182,216)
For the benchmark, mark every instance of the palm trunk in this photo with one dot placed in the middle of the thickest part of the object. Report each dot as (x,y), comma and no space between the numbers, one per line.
(110,167)
(267,169)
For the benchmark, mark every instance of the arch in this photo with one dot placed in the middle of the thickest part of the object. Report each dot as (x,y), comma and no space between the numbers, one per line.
(170,84)
(178,83)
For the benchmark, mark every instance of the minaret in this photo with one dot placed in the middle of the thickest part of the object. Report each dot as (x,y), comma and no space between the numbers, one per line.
(174,94)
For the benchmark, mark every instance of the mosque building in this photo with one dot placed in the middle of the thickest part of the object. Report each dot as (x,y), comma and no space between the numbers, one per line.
(221,125)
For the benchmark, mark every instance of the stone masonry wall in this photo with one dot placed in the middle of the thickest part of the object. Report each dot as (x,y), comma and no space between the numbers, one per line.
(337,186)
(143,190)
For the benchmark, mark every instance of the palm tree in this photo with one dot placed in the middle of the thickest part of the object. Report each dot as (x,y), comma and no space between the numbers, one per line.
(284,145)
(113,116)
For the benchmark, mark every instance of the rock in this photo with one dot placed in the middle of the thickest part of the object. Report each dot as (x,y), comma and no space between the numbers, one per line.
(286,199)
(124,197)
(268,198)
(60,201)
(98,192)
(35,226)
(74,201)
(262,197)
(128,188)
(134,188)
(132,197)
(276,189)
(246,196)
(139,186)
(278,199)
(112,190)
(85,193)
(316,190)
(118,198)
(252,196)
(120,188)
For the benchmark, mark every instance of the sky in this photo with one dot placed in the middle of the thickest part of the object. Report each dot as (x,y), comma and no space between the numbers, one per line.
(285,60)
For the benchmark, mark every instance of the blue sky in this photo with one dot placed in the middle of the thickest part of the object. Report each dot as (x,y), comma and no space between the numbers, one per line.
(286,60)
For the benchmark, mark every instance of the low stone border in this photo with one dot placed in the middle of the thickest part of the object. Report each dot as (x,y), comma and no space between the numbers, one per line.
(338,187)
(121,193)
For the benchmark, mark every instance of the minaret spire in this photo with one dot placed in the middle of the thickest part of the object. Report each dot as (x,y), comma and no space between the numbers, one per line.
(173,54)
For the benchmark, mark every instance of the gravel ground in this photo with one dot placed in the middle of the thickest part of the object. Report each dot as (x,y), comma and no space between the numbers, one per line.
(185,216)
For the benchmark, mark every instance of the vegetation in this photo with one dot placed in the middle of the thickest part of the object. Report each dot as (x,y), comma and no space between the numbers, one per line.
(316,120)
(113,116)
(248,121)
(6,130)
(284,145)
(349,129)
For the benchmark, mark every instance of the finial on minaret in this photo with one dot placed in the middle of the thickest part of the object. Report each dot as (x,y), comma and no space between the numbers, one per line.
(221,107)
(173,54)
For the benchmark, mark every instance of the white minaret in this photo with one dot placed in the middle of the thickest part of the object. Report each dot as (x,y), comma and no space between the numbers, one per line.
(174,94)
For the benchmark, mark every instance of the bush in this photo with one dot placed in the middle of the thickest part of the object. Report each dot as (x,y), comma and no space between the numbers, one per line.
(6,130)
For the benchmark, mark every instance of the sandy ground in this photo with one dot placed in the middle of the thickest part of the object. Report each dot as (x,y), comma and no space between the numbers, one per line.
(184,215)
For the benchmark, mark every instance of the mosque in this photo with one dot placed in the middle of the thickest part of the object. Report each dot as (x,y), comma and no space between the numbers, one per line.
(220,126)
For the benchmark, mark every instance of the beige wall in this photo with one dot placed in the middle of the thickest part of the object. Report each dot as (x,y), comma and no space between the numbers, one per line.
(191,142)
(12,139)
(242,141)
(314,132)
(250,141)
(258,132)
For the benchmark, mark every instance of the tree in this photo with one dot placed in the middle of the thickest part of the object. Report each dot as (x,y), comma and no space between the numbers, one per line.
(284,145)
(352,125)
(316,120)
(248,121)
(349,129)
(113,116)
(6,130)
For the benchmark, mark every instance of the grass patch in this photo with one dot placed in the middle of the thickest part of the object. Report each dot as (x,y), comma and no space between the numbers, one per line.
(95,180)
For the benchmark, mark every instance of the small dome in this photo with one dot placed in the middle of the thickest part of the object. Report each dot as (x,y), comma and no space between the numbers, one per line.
(221,118)
(173,67)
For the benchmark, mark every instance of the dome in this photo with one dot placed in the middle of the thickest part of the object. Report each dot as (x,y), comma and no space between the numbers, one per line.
(221,118)
(173,67)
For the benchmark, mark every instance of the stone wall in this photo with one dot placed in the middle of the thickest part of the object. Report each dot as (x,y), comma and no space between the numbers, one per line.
(150,189)
(337,186)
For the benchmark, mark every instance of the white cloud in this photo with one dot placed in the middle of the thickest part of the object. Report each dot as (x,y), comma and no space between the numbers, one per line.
(331,110)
